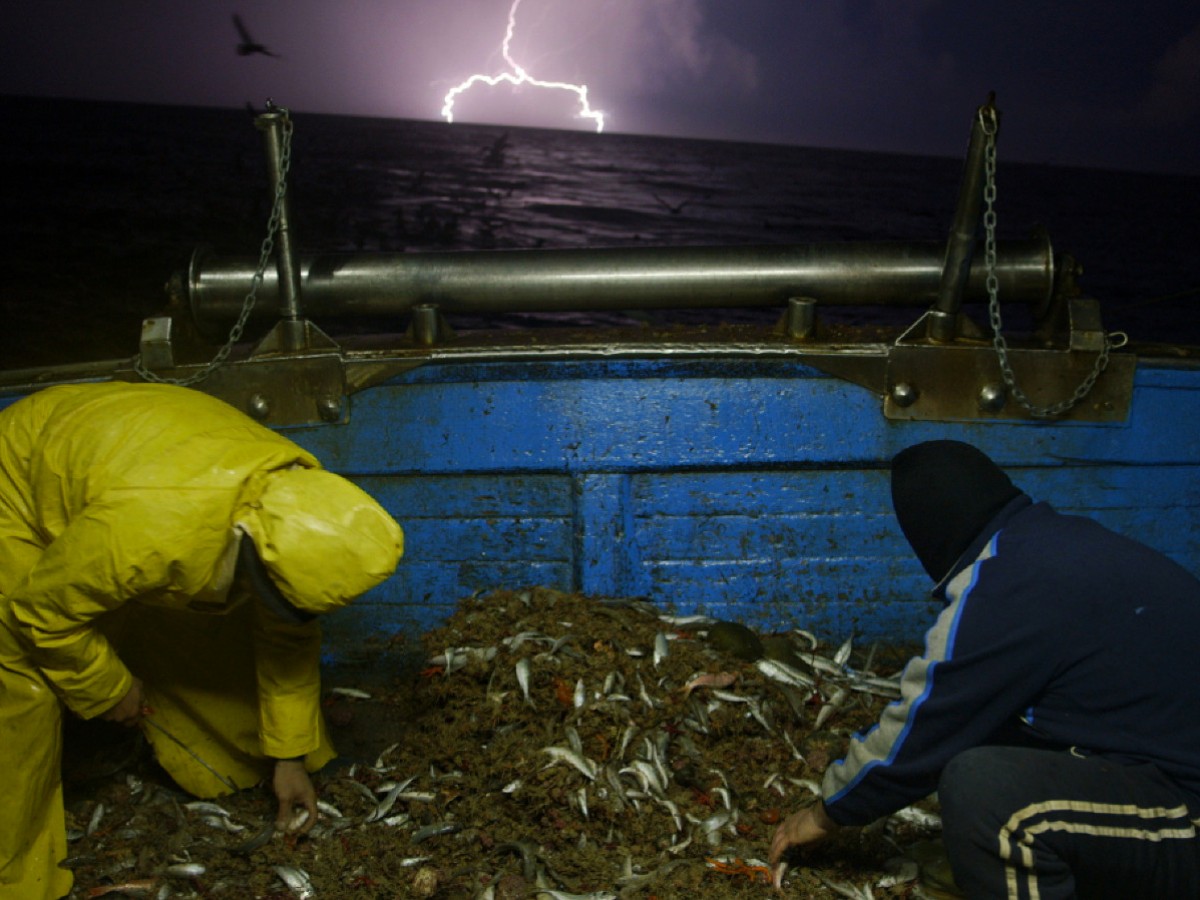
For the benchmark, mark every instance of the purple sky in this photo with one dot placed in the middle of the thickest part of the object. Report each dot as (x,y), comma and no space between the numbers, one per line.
(1087,82)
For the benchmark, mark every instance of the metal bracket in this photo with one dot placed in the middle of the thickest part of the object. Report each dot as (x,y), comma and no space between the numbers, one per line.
(286,391)
(929,382)
(157,346)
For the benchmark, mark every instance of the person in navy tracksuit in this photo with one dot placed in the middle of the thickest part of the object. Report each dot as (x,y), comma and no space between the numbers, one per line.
(1056,708)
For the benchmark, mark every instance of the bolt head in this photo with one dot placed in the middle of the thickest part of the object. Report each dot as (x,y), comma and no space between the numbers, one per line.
(904,394)
(329,409)
(259,406)
(992,397)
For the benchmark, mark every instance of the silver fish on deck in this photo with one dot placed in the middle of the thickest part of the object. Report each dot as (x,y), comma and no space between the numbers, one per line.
(94,821)
(523,673)
(580,762)
(661,648)
(686,621)
(836,701)
(921,818)
(784,674)
(297,881)
(386,804)
(350,692)
(139,888)
(710,679)
(843,652)
(184,870)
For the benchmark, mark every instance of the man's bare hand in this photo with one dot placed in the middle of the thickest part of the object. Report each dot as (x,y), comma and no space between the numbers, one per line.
(806,828)
(295,792)
(130,708)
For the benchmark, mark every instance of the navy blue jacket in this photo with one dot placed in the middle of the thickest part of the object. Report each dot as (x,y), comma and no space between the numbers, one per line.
(1056,631)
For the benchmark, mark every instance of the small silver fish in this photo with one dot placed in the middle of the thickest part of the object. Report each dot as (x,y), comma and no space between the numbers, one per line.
(684,621)
(565,754)
(184,870)
(843,653)
(919,817)
(436,830)
(661,648)
(650,702)
(207,808)
(836,699)
(710,679)
(514,642)
(329,809)
(783,673)
(523,673)
(297,881)
(386,804)
(221,823)
(351,692)
(94,821)
(379,760)
(626,737)
(711,827)
(646,775)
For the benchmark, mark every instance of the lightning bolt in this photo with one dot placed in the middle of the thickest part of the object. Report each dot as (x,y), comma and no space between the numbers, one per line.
(518,76)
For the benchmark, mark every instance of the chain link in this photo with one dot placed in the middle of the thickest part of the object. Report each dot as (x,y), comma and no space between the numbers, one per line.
(264,258)
(989,124)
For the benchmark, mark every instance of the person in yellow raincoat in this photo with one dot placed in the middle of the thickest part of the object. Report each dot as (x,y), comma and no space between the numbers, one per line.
(163,557)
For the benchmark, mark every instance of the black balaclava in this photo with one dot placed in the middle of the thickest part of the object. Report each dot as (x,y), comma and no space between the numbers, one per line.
(945,493)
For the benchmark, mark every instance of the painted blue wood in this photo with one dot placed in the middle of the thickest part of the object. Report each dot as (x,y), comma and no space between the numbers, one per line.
(754,490)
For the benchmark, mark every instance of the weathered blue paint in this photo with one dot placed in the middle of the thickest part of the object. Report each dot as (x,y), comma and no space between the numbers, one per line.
(755,491)
(752,490)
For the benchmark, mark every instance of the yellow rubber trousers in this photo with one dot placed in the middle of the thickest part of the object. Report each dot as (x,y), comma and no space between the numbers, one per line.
(33,835)
(200,679)
(199,673)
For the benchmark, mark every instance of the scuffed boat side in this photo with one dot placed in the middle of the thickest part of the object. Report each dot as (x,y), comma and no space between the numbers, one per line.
(749,489)
(753,490)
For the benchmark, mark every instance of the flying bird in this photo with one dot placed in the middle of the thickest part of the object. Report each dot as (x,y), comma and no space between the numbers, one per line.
(248,45)
(673,208)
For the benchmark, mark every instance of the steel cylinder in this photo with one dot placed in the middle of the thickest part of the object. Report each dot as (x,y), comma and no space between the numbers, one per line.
(388,286)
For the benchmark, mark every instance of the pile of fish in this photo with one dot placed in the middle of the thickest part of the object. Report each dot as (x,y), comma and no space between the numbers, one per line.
(565,747)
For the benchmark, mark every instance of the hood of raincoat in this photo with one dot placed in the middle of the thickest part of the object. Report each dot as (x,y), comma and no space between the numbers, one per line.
(323,540)
(944,494)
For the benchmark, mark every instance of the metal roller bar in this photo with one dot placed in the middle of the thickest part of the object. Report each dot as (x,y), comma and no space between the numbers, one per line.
(349,287)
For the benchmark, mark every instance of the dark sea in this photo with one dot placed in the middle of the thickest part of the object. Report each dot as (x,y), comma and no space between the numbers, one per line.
(103,202)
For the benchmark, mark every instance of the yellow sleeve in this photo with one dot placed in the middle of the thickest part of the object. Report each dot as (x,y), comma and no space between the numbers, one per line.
(75,580)
(287,661)
(126,545)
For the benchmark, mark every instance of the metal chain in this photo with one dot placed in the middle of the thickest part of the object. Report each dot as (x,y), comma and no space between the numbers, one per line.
(988,121)
(264,257)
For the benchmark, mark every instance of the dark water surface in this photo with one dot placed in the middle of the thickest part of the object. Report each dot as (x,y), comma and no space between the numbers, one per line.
(102,202)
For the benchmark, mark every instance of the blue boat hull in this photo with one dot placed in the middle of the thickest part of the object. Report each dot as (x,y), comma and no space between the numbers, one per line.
(750,489)
(755,491)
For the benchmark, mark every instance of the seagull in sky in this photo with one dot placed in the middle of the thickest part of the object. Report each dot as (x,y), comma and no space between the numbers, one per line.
(249,46)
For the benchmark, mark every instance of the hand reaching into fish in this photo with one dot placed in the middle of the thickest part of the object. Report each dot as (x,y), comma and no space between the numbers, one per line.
(803,829)
(296,794)
(129,709)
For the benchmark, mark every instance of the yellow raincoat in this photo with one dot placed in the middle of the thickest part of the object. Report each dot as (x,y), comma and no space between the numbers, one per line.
(111,493)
